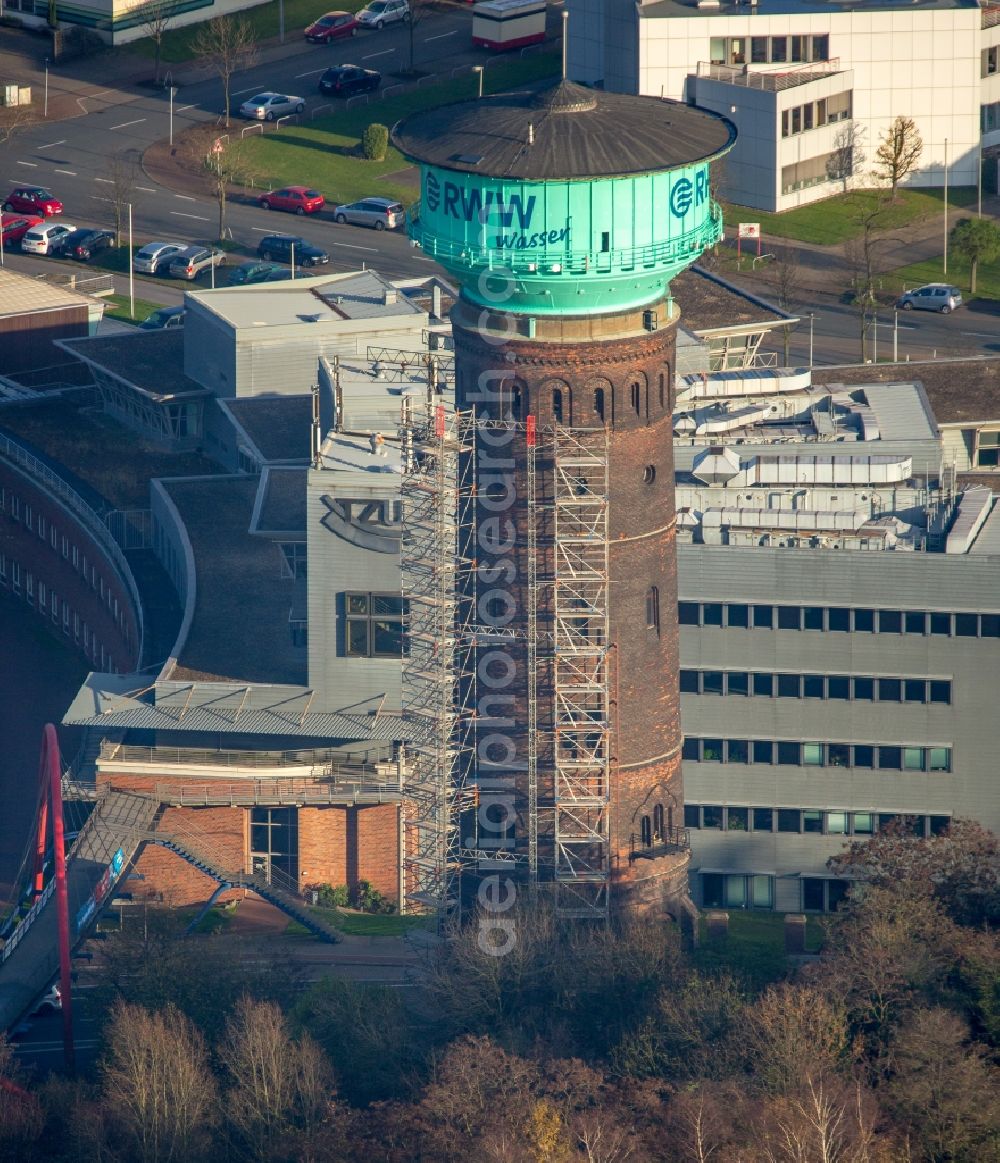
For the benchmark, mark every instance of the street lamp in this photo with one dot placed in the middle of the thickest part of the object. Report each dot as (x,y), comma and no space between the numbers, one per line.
(131,272)
(480,70)
(281,21)
(173,94)
(812,319)
(945,271)
(895,335)
(46,111)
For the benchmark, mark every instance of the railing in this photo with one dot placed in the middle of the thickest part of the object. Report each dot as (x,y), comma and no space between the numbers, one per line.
(772,82)
(672,841)
(210,757)
(683,248)
(280,791)
(85,284)
(94,521)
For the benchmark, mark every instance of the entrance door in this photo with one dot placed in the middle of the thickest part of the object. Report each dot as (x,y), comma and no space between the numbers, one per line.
(274,844)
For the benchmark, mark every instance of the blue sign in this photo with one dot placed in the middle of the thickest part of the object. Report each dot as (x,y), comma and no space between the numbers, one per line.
(117,861)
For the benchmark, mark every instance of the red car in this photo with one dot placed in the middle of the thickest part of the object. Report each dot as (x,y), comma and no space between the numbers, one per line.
(33,200)
(16,226)
(296,199)
(332,26)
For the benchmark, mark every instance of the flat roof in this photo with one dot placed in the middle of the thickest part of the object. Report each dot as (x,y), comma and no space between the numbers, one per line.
(575,133)
(960,391)
(674,9)
(281,501)
(22,294)
(319,299)
(710,303)
(152,361)
(239,632)
(277,426)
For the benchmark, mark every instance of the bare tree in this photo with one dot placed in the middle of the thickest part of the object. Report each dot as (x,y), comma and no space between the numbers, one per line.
(278,1085)
(123,175)
(898,152)
(227,163)
(158,1083)
(14,118)
(785,275)
(847,159)
(226,45)
(156,17)
(862,253)
(418,9)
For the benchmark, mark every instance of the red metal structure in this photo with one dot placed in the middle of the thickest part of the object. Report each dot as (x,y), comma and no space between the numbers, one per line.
(50,787)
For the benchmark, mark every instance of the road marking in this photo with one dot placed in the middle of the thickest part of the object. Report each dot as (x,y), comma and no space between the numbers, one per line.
(146,189)
(105,181)
(72,173)
(126,124)
(440,36)
(34,165)
(185,197)
(311,73)
(980,334)
(98,198)
(261,230)
(242,91)
(347,246)
(372,55)
(178,214)
(183,107)
(53,144)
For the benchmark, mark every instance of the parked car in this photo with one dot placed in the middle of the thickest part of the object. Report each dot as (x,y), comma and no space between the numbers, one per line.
(84,244)
(287,248)
(933,297)
(255,272)
(332,26)
(46,237)
(155,257)
(163,319)
(13,227)
(381,12)
(268,106)
(380,213)
(193,260)
(49,1003)
(33,200)
(343,80)
(295,199)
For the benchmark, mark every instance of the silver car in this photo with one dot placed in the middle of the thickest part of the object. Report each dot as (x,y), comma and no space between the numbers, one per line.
(379,213)
(46,237)
(941,297)
(268,106)
(381,12)
(154,256)
(192,260)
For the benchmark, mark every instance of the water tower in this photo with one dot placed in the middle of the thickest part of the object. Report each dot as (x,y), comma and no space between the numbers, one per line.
(563,213)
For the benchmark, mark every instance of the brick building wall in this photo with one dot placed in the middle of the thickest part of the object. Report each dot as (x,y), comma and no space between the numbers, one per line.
(50,561)
(221,832)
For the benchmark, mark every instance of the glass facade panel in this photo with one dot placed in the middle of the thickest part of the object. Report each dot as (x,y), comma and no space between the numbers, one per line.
(738,616)
(763,617)
(738,751)
(812,754)
(763,819)
(738,819)
(913,759)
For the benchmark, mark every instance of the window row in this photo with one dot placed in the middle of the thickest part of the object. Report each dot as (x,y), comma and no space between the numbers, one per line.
(748,890)
(860,688)
(715,817)
(23,584)
(35,522)
(838,619)
(795,753)
(769,50)
(815,114)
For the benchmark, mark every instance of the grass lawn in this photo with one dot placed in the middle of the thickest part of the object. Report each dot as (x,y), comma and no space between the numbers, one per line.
(118,308)
(835,220)
(915,275)
(755,947)
(361,924)
(322,153)
(299,14)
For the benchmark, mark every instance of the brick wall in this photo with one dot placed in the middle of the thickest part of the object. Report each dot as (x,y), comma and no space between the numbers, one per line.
(167,876)
(323,845)
(376,848)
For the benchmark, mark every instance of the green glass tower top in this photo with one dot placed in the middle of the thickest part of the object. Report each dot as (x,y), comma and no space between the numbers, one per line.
(562,200)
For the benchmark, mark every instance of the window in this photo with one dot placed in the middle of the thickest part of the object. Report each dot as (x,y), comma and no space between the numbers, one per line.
(864,689)
(711,614)
(863,824)
(812,821)
(779,49)
(941,624)
(737,751)
(789,618)
(812,686)
(599,403)
(635,392)
(914,691)
(738,683)
(763,617)
(788,686)
(940,691)
(557,406)
(914,623)
(658,831)
(812,754)
(738,820)
(687,613)
(812,617)
(789,820)
(711,750)
(966,625)
(838,619)
(789,754)
(690,749)
(763,819)
(889,690)
(738,616)
(864,755)
(838,755)
(692,816)
(836,823)
(711,817)
(890,758)
(821,47)
(653,609)
(763,685)
(864,621)
(913,759)
(274,841)
(763,751)
(711,682)
(293,563)
(758,50)
(838,686)
(373,625)
(689,682)
(890,622)
(646,831)
(939,759)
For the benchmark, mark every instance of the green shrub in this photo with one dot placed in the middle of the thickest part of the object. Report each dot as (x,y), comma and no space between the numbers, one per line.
(375,142)
(368,899)
(330,897)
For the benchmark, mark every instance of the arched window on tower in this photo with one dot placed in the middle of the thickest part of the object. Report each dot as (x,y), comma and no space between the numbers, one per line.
(658,833)
(511,406)
(646,832)
(653,609)
(663,390)
(599,403)
(557,405)
(635,396)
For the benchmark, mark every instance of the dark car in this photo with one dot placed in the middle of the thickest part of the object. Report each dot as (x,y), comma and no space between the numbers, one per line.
(84,244)
(163,319)
(255,272)
(343,80)
(287,248)
(332,26)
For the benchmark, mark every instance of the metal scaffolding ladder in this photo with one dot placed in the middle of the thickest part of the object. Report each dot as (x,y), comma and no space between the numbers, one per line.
(438,670)
(581,704)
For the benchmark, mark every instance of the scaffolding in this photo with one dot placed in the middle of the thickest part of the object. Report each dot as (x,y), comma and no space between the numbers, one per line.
(581,670)
(438,668)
